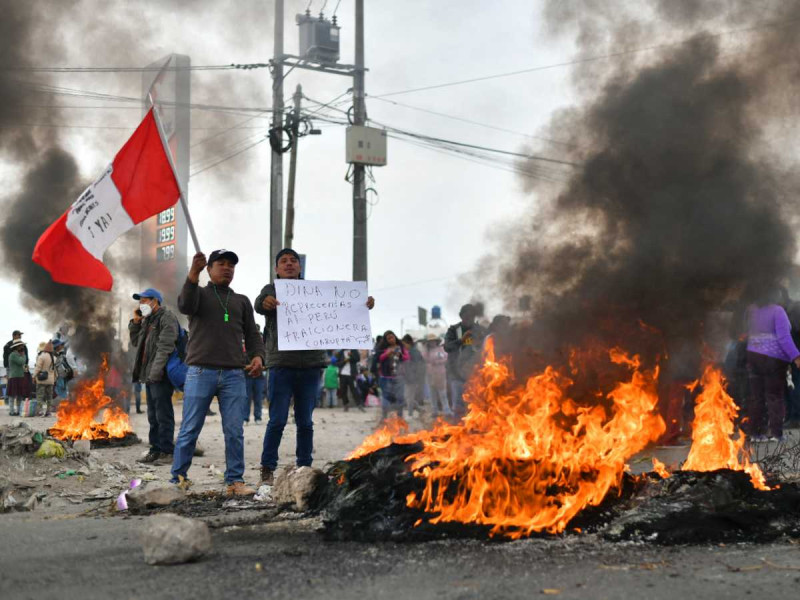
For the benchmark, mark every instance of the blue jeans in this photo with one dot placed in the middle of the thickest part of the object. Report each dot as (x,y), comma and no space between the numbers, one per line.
(256,386)
(391,395)
(457,398)
(202,384)
(304,386)
(331,394)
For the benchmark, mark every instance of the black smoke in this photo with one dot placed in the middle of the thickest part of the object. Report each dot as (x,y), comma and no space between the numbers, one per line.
(679,199)
(50,179)
(48,176)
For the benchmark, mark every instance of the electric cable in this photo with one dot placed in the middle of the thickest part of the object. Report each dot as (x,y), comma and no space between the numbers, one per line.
(589,59)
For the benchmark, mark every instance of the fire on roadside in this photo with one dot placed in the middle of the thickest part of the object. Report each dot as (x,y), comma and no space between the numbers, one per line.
(75,418)
(714,445)
(529,457)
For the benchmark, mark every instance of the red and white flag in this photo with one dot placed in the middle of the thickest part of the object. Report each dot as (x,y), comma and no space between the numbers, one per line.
(138,184)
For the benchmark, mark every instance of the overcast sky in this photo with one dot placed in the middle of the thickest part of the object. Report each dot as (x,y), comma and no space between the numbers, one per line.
(436,214)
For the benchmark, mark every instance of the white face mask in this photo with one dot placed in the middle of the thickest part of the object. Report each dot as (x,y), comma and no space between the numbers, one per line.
(145,309)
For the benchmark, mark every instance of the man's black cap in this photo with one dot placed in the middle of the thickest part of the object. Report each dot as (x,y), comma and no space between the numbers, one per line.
(286,251)
(222,253)
(16,332)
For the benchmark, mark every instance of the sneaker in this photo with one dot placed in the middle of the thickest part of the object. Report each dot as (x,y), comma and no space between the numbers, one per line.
(258,421)
(163,459)
(238,488)
(758,438)
(211,413)
(267,476)
(778,439)
(150,457)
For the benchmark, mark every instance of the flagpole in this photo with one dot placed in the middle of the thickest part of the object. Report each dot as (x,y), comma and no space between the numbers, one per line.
(167,151)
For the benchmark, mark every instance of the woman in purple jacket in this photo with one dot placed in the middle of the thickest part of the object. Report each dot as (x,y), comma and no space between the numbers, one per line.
(770,349)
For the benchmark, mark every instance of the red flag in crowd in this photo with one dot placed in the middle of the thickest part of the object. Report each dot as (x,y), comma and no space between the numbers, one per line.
(138,184)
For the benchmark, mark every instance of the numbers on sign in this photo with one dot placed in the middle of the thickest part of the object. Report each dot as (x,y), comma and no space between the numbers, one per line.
(165,253)
(167,234)
(166,216)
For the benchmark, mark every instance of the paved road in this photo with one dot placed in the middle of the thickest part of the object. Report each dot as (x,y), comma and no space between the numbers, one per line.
(100,558)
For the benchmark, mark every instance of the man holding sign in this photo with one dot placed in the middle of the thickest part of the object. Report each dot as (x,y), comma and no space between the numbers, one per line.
(302,320)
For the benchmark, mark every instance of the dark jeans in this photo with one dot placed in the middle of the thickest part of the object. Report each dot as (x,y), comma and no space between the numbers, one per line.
(284,384)
(793,398)
(202,384)
(347,388)
(137,395)
(766,405)
(256,387)
(161,416)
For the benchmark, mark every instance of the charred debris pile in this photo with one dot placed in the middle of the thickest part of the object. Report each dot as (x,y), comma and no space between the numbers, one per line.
(366,501)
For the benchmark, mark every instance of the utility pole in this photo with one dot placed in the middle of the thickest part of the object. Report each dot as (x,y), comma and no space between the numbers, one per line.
(359,170)
(276,167)
(289,235)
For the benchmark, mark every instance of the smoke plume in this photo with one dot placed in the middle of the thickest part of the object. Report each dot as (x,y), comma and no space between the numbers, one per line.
(679,198)
(46,173)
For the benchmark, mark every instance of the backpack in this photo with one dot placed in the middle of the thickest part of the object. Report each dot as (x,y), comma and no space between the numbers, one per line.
(63,369)
(176,367)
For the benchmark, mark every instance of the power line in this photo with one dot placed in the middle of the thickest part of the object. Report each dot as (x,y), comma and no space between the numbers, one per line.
(429,138)
(127,128)
(477,123)
(64,91)
(219,162)
(228,67)
(588,59)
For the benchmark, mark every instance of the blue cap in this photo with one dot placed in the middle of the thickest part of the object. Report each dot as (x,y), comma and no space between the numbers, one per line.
(149,293)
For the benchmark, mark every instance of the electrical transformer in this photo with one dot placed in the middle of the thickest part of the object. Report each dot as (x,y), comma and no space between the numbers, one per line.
(319,38)
(366,146)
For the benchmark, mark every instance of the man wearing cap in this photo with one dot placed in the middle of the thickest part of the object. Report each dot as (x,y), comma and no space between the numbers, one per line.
(219,321)
(154,331)
(292,374)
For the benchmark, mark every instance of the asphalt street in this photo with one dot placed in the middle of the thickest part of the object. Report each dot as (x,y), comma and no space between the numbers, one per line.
(67,557)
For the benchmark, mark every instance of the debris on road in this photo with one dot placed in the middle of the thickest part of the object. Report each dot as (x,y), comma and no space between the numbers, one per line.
(168,539)
(299,488)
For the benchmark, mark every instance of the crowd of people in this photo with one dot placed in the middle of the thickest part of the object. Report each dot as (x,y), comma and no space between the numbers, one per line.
(35,391)
(230,359)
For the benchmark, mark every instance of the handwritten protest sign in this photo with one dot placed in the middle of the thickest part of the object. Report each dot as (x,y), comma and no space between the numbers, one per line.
(322,315)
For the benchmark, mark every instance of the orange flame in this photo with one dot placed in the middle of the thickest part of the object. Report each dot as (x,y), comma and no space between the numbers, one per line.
(660,468)
(392,427)
(530,458)
(76,417)
(713,445)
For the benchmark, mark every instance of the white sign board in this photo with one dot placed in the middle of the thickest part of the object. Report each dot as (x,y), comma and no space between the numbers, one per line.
(322,315)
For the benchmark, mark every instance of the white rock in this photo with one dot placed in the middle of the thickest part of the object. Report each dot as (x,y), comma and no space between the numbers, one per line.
(82,447)
(170,540)
(154,494)
(296,488)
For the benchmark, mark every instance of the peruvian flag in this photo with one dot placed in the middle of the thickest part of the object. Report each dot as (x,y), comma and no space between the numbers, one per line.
(138,184)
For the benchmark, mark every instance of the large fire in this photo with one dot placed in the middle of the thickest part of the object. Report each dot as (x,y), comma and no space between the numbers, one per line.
(76,417)
(530,458)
